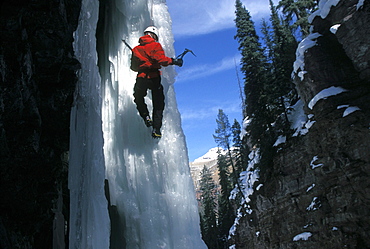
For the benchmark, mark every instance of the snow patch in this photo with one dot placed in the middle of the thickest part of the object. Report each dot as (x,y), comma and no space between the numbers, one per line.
(308,225)
(280,140)
(302,236)
(305,44)
(239,215)
(300,122)
(334,28)
(350,110)
(246,123)
(342,106)
(324,94)
(301,74)
(310,187)
(315,204)
(360,4)
(247,179)
(323,10)
(312,163)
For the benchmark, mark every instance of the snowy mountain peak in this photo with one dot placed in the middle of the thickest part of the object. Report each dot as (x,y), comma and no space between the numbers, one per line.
(210,155)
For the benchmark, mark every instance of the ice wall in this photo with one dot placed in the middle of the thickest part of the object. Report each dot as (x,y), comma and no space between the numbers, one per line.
(89,220)
(150,188)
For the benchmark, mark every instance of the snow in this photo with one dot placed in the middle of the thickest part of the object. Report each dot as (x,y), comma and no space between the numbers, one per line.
(324,94)
(323,10)
(308,125)
(308,225)
(302,236)
(247,179)
(350,110)
(310,187)
(299,121)
(314,205)
(212,154)
(312,163)
(334,28)
(149,180)
(280,140)
(360,4)
(259,186)
(342,106)
(305,44)
(245,125)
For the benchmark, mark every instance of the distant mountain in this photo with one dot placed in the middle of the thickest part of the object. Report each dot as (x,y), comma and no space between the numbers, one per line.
(210,161)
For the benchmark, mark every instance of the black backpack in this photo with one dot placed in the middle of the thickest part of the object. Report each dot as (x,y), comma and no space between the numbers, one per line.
(135,63)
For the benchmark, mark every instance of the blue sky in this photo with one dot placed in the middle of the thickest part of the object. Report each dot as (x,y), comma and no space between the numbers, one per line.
(209,81)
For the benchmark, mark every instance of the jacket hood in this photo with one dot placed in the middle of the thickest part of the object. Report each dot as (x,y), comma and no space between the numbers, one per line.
(146,39)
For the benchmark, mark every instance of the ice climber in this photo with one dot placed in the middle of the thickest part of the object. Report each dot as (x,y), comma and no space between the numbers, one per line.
(147,58)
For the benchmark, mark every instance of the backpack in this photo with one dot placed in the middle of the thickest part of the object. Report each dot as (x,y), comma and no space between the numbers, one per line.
(135,63)
(139,61)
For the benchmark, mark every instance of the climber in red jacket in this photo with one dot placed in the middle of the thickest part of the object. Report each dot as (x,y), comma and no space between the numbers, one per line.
(147,59)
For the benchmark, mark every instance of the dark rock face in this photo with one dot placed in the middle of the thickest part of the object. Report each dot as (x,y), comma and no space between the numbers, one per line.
(37,75)
(319,185)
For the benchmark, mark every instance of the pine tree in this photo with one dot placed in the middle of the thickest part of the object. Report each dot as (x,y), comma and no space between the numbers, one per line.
(239,152)
(226,214)
(224,162)
(225,134)
(297,12)
(208,210)
(283,47)
(256,75)
(223,131)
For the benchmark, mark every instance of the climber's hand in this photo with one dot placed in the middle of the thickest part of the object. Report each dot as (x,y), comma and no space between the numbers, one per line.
(177,62)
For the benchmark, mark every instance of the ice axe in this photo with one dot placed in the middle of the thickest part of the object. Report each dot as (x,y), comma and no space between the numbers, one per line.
(180,56)
(128,45)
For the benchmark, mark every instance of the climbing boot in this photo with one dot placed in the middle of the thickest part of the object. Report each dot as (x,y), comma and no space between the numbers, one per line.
(156,133)
(148,121)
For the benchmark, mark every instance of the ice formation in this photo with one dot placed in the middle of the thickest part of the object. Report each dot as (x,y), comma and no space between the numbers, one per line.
(151,194)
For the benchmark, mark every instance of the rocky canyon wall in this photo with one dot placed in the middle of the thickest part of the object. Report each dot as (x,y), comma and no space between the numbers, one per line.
(37,75)
(317,195)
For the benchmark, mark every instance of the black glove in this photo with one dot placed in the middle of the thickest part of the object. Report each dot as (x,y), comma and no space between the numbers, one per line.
(177,62)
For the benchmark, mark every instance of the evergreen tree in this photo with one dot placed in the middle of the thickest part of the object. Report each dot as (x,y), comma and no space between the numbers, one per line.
(297,12)
(208,210)
(223,131)
(225,134)
(226,214)
(225,209)
(256,76)
(238,148)
(283,47)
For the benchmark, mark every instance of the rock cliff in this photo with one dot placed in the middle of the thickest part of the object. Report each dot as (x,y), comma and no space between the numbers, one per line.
(317,195)
(37,75)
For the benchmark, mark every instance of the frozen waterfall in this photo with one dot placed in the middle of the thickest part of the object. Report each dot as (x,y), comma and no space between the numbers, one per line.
(147,182)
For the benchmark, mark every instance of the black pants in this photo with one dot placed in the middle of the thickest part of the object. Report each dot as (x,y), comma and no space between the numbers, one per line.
(140,90)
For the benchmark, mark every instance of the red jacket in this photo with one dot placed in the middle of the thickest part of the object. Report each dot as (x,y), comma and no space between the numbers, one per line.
(150,57)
